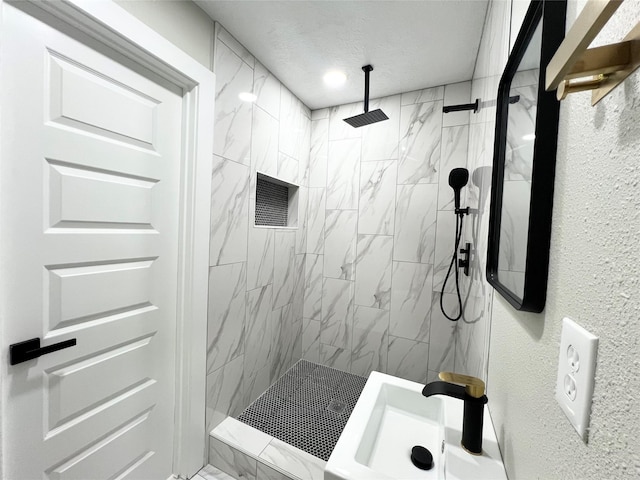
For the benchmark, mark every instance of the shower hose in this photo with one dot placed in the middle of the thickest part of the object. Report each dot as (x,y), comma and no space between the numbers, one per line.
(454,261)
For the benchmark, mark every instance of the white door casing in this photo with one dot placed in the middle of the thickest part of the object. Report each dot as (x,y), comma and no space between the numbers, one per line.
(107,272)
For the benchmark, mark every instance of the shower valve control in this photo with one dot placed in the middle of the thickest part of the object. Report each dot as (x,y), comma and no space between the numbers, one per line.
(465,262)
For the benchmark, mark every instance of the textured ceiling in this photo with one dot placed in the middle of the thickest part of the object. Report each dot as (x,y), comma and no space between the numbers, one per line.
(411,44)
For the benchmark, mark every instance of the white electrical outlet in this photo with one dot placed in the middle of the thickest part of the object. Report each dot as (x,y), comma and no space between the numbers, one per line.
(576,374)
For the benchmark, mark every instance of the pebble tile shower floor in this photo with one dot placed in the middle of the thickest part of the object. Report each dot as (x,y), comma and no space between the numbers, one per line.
(307,407)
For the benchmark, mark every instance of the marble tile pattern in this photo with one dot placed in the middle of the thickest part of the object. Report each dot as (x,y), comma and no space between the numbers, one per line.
(284,268)
(311,340)
(316,220)
(444,250)
(411,301)
(422,96)
(319,153)
(374,235)
(258,338)
(235,440)
(455,142)
(313,287)
(266,87)
(340,244)
(288,169)
(268,473)
(370,340)
(415,226)
(380,140)
(373,271)
(209,472)
(286,341)
(223,36)
(297,300)
(225,395)
(421,130)
(376,212)
(257,275)
(229,212)
(408,359)
(303,220)
(232,130)
(338,128)
(299,464)
(337,313)
(226,316)
(264,143)
(260,257)
(304,161)
(321,114)
(343,168)
(335,357)
(295,126)
(442,354)
(232,461)
(236,433)
(381,269)
(471,347)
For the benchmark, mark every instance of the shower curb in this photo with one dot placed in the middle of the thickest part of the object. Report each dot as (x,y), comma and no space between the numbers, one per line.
(242,451)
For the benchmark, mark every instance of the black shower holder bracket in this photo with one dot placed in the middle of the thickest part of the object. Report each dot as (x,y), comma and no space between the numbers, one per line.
(465,262)
(475,106)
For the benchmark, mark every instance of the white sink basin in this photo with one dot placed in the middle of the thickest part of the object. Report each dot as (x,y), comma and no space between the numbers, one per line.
(392,416)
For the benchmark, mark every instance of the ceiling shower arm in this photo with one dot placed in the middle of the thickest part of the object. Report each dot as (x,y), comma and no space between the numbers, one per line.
(366,118)
(367,69)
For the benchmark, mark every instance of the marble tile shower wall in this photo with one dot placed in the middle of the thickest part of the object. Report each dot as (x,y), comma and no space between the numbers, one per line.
(256,277)
(380,231)
(356,287)
(472,347)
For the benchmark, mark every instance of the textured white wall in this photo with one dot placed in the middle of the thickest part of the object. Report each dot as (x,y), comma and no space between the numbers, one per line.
(593,278)
(183,23)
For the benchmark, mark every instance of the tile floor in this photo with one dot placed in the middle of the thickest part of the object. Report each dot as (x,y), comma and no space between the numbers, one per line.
(307,407)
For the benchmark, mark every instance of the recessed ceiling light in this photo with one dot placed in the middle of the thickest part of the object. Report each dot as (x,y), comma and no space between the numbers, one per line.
(247,97)
(334,78)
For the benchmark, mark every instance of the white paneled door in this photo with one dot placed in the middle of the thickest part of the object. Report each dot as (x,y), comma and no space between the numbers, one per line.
(89,210)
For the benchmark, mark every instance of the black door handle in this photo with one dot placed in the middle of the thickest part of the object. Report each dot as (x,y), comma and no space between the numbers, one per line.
(30,349)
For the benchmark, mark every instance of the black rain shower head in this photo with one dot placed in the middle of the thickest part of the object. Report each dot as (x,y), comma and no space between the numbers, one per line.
(367,117)
(458,178)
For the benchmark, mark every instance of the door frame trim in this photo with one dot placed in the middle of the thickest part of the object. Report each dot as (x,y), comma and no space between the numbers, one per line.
(111,25)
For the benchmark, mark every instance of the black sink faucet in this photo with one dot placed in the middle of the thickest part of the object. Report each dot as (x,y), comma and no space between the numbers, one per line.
(474,399)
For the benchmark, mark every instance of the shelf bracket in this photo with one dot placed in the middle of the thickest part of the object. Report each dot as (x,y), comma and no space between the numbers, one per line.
(575,67)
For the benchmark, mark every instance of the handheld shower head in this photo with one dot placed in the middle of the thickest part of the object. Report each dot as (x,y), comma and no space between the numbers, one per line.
(458,178)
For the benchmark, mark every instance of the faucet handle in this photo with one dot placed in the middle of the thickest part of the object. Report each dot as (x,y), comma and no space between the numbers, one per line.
(473,386)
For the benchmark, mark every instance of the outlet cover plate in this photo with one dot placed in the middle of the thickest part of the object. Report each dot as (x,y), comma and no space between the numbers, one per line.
(576,374)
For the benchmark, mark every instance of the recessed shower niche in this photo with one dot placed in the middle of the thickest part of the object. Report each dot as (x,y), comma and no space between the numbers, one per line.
(276,203)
